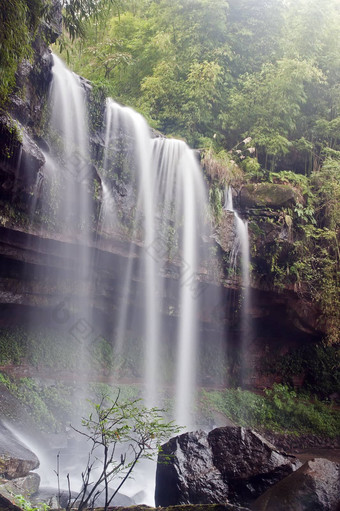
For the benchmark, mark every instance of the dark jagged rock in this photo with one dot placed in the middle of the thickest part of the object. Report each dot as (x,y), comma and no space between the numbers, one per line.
(190,476)
(7,504)
(15,459)
(248,462)
(53,25)
(227,465)
(313,487)
(20,164)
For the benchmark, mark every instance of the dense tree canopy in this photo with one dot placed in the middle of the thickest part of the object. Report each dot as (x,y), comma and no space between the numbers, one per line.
(196,68)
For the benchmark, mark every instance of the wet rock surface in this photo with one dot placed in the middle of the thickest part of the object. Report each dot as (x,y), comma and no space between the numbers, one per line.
(313,487)
(291,443)
(25,486)
(190,476)
(16,460)
(230,464)
(225,235)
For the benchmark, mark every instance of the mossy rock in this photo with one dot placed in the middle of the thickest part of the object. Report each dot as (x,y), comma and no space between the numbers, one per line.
(268,195)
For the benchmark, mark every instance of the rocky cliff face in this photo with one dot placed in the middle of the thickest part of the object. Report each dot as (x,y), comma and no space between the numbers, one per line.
(21,126)
(34,280)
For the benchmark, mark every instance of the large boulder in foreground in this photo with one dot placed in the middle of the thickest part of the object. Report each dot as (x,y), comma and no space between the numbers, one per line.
(230,464)
(313,487)
(15,459)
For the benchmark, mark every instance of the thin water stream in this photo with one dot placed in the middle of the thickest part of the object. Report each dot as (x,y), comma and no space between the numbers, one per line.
(241,248)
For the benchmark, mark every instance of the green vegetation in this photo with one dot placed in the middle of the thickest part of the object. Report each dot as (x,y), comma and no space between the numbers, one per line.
(128,427)
(25,504)
(208,70)
(255,85)
(18,25)
(318,365)
(49,407)
(49,348)
(280,409)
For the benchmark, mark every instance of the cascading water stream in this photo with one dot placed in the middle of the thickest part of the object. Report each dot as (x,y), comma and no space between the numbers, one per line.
(66,203)
(181,187)
(118,120)
(169,197)
(242,248)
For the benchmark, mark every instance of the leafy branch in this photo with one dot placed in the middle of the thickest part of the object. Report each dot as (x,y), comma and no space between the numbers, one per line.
(128,426)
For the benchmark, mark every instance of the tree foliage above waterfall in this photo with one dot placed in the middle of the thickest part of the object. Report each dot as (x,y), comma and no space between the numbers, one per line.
(197,68)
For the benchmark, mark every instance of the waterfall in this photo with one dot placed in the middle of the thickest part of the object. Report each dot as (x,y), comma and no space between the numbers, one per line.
(241,248)
(66,206)
(143,206)
(180,185)
(153,199)
(72,176)
(168,221)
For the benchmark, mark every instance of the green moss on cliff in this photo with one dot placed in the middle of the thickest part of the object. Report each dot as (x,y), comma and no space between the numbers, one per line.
(18,25)
(268,195)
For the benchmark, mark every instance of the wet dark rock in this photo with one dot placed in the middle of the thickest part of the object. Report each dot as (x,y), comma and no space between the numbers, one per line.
(20,109)
(15,459)
(41,142)
(230,464)
(6,503)
(313,487)
(86,84)
(225,232)
(52,27)
(248,462)
(121,189)
(32,159)
(189,477)
(156,134)
(20,162)
(293,443)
